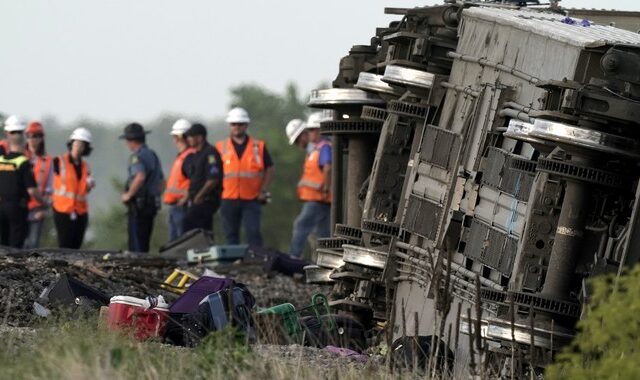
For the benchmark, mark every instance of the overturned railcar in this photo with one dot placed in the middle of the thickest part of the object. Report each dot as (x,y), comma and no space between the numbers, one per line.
(485,163)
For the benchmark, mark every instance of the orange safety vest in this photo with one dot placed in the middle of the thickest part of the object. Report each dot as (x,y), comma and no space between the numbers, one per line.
(41,170)
(242,175)
(177,184)
(69,192)
(310,184)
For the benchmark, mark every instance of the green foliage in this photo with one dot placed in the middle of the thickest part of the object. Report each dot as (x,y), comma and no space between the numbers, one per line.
(606,346)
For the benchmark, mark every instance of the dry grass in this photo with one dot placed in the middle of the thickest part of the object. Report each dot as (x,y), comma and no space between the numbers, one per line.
(79,350)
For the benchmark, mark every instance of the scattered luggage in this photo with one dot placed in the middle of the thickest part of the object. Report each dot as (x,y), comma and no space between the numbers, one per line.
(188,323)
(229,307)
(217,254)
(146,318)
(285,264)
(189,301)
(72,294)
(194,239)
(273,260)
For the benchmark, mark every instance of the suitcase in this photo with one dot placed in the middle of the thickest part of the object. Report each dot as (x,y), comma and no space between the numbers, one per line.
(194,239)
(217,254)
(229,307)
(186,325)
(189,300)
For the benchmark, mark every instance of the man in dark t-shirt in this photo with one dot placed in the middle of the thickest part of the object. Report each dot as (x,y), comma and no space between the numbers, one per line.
(204,170)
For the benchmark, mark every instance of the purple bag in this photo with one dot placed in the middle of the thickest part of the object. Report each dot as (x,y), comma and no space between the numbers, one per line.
(188,302)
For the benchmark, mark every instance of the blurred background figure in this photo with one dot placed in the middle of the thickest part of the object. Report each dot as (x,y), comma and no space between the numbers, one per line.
(314,185)
(144,187)
(205,174)
(177,188)
(72,183)
(42,166)
(248,172)
(16,184)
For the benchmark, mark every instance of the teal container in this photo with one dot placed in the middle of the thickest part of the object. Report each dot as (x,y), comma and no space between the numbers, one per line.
(217,254)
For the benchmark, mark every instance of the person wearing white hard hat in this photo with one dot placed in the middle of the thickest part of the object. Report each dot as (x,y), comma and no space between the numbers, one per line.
(13,123)
(72,183)
(315,183)
(248,172)
(16,185)
(177,188)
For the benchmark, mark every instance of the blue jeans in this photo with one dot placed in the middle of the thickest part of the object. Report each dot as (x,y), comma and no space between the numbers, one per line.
(35,232)
(176,217)
(314,216)
(237,212)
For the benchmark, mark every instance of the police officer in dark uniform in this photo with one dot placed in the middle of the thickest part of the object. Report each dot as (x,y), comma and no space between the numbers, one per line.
(204,170)
(16,185)
(145,182)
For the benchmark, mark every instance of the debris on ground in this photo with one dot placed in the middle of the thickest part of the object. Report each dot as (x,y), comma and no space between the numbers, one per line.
(23,277)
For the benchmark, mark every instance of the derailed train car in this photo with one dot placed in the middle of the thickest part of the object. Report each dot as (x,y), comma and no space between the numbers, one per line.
(485,166)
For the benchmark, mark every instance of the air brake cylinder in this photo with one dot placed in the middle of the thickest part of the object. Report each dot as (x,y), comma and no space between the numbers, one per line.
(585,149)
(358,137)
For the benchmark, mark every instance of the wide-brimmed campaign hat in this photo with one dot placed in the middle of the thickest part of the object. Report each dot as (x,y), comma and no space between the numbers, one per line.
(133,131)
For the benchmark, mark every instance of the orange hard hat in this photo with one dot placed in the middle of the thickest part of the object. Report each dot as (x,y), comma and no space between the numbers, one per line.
(34,127)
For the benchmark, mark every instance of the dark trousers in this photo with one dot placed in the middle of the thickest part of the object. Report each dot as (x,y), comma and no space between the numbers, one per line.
(200,216)
(13,224)
(140,227)
(70,232)
(237,212)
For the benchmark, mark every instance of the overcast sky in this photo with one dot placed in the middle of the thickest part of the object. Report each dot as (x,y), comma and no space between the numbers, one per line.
(134,59)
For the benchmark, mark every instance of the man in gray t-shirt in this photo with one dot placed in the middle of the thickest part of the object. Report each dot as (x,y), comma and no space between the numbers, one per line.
(144,187)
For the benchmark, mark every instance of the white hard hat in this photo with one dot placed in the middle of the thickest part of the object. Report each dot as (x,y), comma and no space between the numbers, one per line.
(238,115)
(294,128)
(316,118)
(15,123)
(81,134)
(180,127)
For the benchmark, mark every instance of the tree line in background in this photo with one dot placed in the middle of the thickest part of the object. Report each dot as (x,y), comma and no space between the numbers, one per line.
(269,111)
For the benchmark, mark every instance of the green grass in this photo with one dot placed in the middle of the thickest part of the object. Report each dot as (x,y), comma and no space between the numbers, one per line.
(80,350)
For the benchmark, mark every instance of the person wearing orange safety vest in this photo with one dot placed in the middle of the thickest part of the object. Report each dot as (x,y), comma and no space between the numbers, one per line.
(72,183)
(314,185)
(248,171)
(42,166)
(177,189)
